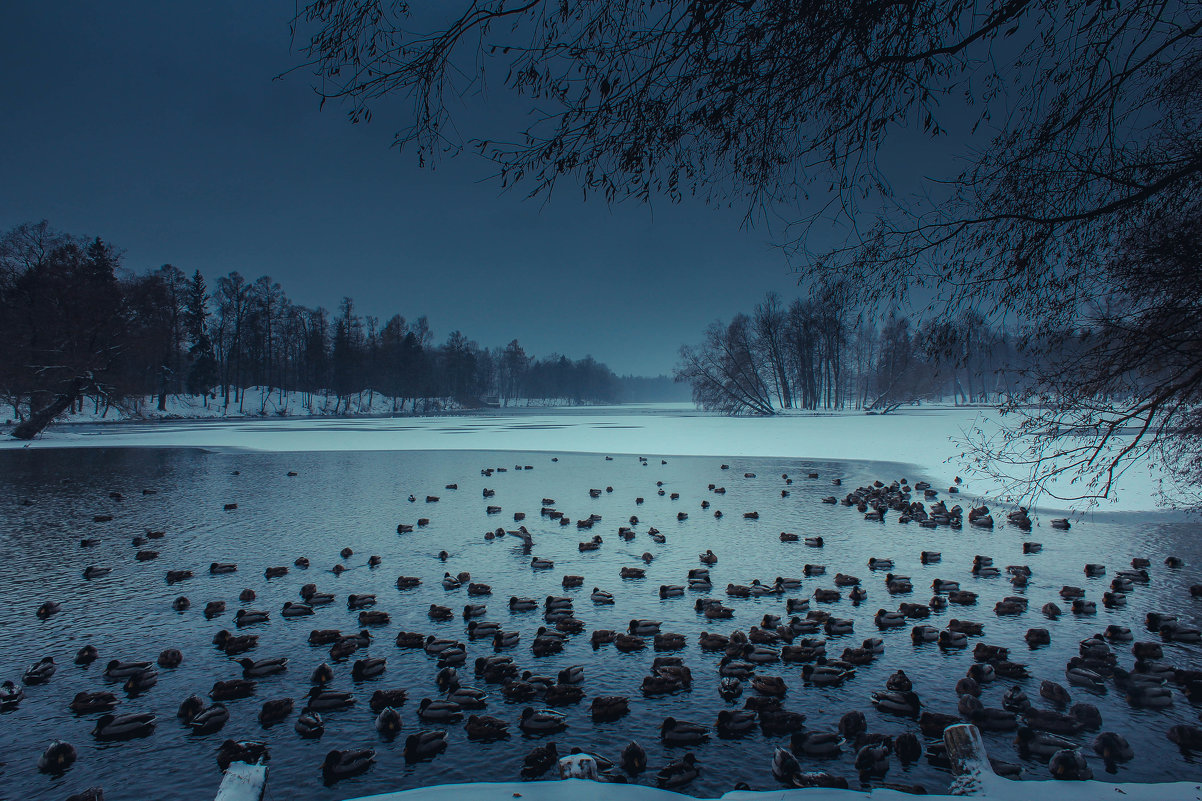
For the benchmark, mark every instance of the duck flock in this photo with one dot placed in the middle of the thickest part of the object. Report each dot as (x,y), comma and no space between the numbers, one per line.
(496,665)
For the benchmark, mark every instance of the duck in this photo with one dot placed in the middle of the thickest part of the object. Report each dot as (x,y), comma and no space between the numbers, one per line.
(322,674)
(1149,696)
(309,725)
(486,728)
(1085,678)
(1037,637)
(607,708)
(542,722)
(11,696)
(1069,763)
(250,617)
(1039,745)
(899,682)
(83,703)
(385,698)
(872,761)
(275,711)
(231,689)
(1054,693)
(123,727)
(141,681)
(370,668)
(898,702)
(388,723)
(643,628)
(291,610)
(678,773)
(343,764)
(824,675)
(953,639)
(679,732)
(252,669)
(921,634)
(40,672)
(889,620)
(248,751)
(735,723)
(321,699)
(1048,720)
(170,658)
(439,711)
(821,745)
(1015,700)
(117,670)
(769,685)
(57,758)
(86,655)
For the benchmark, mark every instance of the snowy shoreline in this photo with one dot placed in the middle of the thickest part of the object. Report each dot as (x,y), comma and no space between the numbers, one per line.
(1001,790)
(929,438)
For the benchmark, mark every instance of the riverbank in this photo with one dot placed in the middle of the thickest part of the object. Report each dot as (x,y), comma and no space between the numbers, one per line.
(928,437)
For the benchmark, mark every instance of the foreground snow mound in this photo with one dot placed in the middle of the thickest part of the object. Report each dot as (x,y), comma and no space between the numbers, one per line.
(1002,790)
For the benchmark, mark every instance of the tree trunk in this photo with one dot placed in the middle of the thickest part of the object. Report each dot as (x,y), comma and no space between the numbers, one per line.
(38,420)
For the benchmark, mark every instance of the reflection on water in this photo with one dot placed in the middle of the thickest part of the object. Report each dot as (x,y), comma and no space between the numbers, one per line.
(343,499)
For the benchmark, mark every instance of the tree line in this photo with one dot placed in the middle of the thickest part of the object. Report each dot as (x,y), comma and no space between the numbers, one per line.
(75,327)
(825,352)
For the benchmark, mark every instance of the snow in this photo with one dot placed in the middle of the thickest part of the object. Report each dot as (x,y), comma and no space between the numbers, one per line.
(1002,790)
(930,439)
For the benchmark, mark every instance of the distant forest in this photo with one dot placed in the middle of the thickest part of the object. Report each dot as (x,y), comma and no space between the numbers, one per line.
(824,352)
(75,326)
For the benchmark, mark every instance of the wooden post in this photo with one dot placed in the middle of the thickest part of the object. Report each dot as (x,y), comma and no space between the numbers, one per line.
(970,763)
(243,782)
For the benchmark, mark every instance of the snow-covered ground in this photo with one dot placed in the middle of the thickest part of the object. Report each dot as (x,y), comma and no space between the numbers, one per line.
(259,402)
(1001,790)
(929,438)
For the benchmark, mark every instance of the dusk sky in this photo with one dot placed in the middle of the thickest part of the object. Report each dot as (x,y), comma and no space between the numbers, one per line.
(159,127)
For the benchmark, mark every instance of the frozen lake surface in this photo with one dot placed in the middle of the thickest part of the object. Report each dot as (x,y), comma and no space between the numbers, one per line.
(928,437)
(352,489)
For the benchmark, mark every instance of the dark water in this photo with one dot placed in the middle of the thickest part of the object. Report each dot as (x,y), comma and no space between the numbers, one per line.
(357,499)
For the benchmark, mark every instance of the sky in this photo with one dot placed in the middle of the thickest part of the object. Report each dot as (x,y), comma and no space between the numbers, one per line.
(159,127)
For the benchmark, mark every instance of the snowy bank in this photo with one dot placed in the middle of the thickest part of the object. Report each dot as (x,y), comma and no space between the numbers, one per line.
(924,437)
(581,789)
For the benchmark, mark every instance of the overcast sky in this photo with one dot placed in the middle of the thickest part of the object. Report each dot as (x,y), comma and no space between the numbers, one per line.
(158,126)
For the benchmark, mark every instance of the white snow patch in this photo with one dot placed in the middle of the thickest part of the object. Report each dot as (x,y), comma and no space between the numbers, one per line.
(924,437)
(594,791)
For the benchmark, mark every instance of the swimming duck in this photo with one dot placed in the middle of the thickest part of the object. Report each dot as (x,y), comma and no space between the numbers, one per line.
(678,732)
(274,711)
(309,725)
(370,668)
(1070,764)
(824,675)
(542,722)
(607,708)
(821,745)
(39,672)
(170,658)
(321,699)
(1037,637)
(117,670)
(439,711)
(250,617)
(295,610)
(83,703)
(122,727)
(1015,700)
(11,696)
(141,681)
(872,762)
(920,634)
(889,620)
(342,764)
(214,609)
(1054,692)
(735,723)
(209,720)
(898,703)
(899,682)
(252,669)
(248,751)
(1039,745)
(678,773)
(486,728)
(57,758)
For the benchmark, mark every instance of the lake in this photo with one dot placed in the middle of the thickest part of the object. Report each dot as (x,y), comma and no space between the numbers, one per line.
(356,499)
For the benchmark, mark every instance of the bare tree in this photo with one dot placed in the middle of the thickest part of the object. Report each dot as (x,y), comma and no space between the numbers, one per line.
(1082,126)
